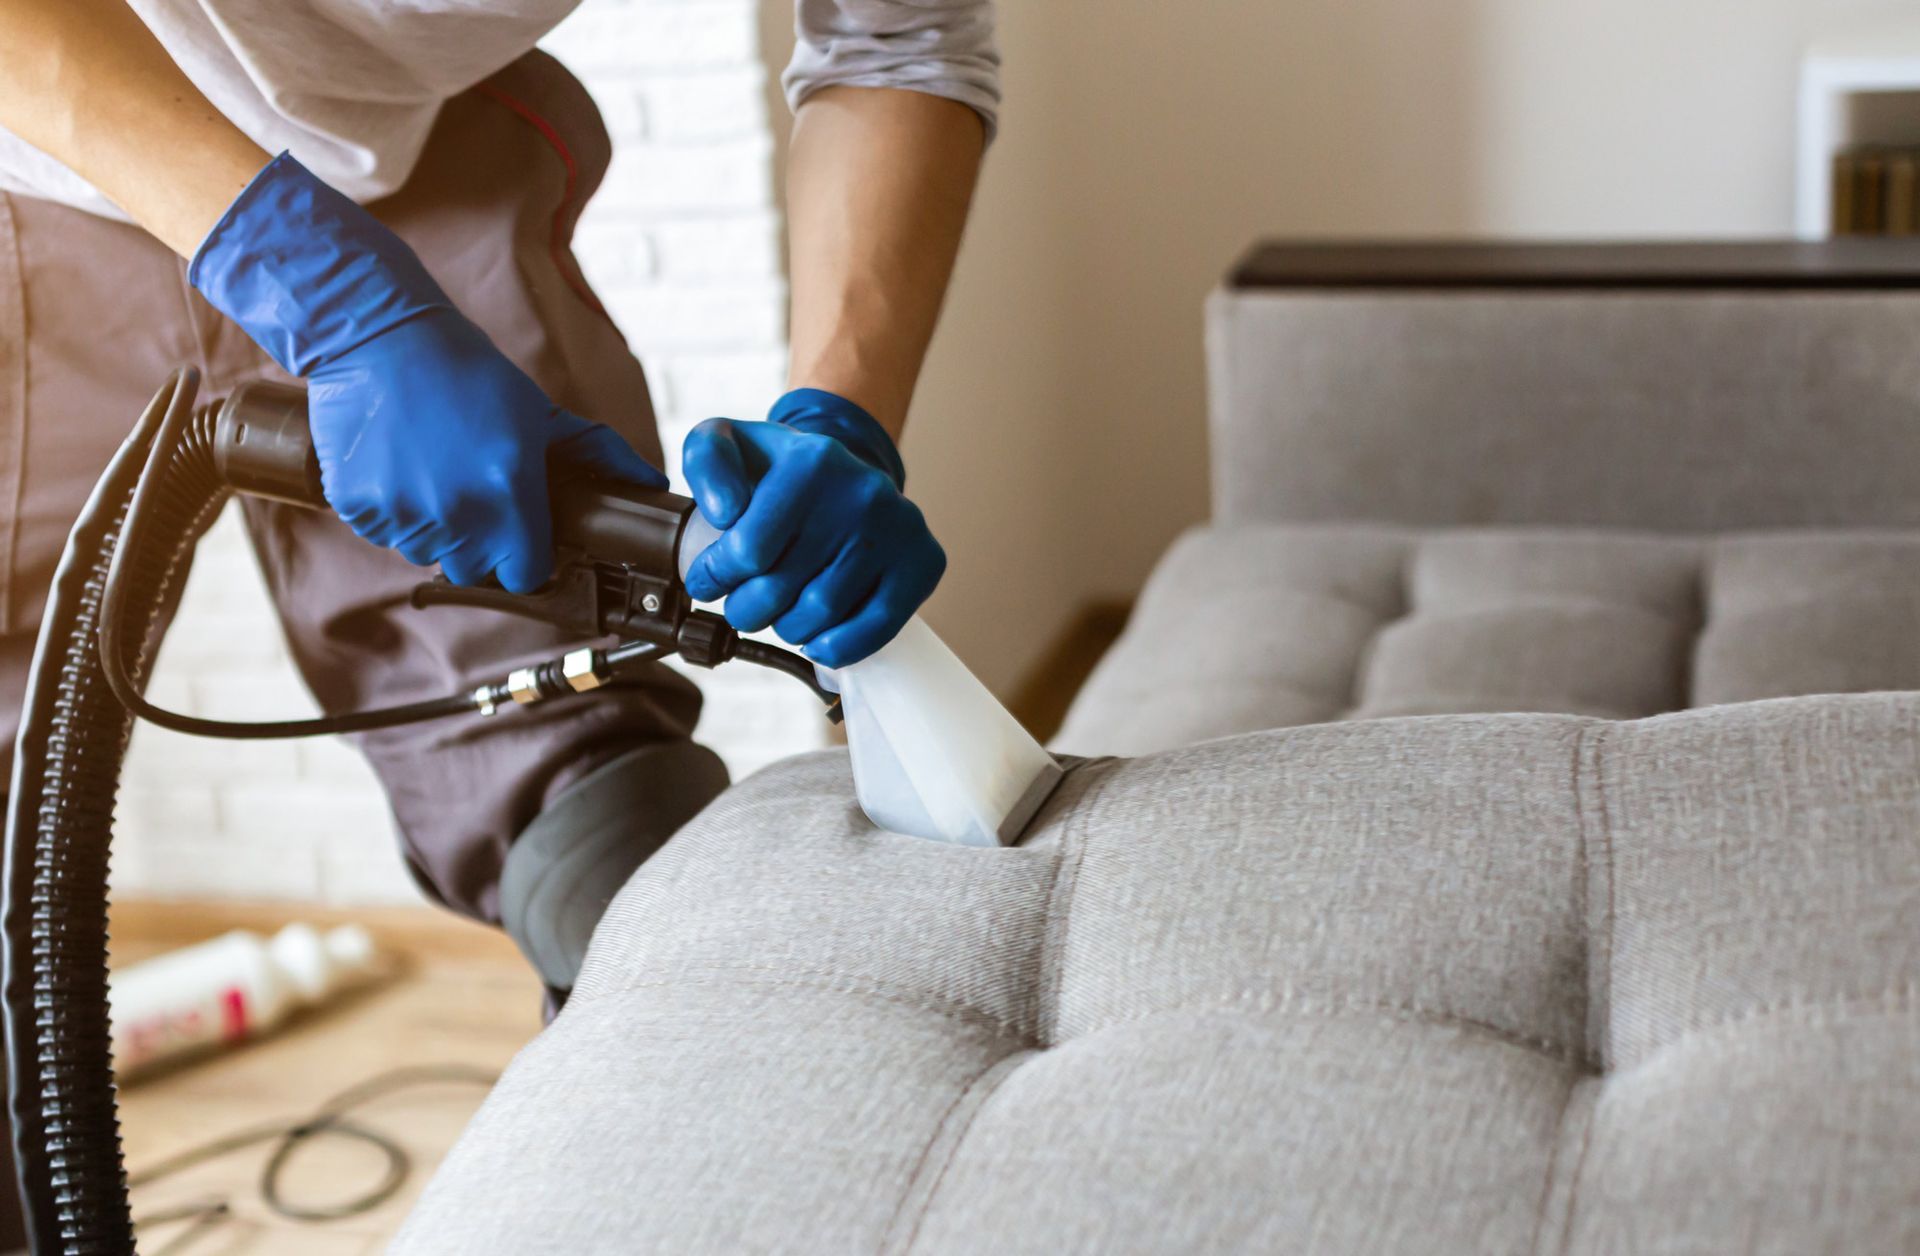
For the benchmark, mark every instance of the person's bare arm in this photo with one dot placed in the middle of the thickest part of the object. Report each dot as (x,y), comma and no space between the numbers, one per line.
(878,187)
(85,82)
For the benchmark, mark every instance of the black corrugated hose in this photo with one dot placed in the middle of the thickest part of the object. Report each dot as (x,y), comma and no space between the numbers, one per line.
(75,724)
(66,1128)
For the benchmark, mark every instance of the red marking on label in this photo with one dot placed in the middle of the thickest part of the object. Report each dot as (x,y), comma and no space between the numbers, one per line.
(233,1019)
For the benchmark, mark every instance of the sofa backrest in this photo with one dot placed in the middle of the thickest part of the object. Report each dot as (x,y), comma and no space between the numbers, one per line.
(1669,387)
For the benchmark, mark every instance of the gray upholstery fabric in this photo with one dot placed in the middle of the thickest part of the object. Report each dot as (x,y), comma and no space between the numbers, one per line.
(1271,625)
(1637,409)
(1502,952)
(1467,984)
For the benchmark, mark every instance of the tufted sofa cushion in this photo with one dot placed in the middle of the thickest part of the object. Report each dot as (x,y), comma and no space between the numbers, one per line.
(1577,983)
(1271,625)
(1466,984)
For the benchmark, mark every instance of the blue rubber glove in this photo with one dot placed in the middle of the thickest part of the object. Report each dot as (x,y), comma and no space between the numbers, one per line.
(430,441)
(819,541)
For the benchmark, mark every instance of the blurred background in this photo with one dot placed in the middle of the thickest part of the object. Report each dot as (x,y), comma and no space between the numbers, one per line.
(1058,441)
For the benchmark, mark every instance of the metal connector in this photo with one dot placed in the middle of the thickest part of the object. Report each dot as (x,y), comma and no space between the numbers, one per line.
(584,670)
(483,700)
(524,684)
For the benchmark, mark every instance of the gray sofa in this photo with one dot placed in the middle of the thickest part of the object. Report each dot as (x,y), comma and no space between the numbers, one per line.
(1401,904)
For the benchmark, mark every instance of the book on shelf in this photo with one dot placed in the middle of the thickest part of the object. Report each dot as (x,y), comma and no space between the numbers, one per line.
(1876,190)
(1903,169)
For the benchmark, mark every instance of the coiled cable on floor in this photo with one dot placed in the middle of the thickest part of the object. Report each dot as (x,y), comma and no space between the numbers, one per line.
(289,1137)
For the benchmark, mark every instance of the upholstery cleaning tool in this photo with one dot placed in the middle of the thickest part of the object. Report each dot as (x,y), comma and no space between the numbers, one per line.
(199,998)
(934,755)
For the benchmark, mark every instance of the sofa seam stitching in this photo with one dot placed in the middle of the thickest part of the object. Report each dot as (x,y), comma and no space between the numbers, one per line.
(1060,900)
(1547,1048)
(1594,738)
(1553,1166)
(1053,946)
(1604,814)
(1403,610)
(1577,783)
(1040,998)
(1408,1013)
(1579,1167)
(1005,1066)
(815,980)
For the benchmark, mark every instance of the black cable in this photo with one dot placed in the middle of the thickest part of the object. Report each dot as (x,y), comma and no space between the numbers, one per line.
(327,1119)
(125,554)
(179,465)
(634,652)
(200,1218)
(794,665)
(181,486)
(180,482)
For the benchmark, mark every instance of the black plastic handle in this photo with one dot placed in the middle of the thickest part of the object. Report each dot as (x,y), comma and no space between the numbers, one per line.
(263,448)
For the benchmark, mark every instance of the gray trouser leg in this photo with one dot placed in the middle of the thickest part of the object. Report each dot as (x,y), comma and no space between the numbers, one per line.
(566,866)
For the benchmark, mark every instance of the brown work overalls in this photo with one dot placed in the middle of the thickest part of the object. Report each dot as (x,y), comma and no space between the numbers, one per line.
(94,313)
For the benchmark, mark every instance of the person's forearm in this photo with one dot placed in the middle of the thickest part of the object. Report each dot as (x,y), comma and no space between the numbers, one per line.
(878,187)
(86,83)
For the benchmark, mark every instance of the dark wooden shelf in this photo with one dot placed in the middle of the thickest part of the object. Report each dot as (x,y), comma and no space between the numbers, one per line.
(1825,265)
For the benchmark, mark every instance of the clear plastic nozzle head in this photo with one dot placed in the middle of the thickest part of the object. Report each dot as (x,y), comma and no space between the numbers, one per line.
(935,755)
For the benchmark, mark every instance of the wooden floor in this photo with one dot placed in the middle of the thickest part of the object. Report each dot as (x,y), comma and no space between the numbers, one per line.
(462,996)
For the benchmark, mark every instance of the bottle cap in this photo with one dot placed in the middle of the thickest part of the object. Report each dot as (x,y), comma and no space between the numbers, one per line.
(351,948)
(318,964)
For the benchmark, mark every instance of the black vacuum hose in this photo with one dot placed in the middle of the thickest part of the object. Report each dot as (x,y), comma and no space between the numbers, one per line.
(75,724)
(66,772)
(184,488)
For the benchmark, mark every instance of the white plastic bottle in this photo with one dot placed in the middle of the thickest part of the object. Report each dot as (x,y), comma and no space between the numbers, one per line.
(230,988)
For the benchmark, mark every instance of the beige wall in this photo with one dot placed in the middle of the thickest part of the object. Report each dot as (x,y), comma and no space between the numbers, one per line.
(1058,441)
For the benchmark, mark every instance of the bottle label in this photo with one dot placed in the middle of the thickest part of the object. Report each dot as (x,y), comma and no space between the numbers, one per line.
(233,1006)
(181,1030)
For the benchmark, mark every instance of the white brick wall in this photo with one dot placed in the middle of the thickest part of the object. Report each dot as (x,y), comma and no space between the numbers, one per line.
(683,245)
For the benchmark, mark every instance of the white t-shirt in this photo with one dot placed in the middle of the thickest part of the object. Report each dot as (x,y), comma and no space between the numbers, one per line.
(352,87)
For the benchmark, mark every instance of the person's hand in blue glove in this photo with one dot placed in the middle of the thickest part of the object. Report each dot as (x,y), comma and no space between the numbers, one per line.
(431,442)
(818,540)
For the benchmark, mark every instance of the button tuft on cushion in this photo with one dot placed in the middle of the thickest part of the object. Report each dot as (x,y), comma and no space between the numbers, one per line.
(1764,857)
(1276,625)
(1429,866)
(1243,630)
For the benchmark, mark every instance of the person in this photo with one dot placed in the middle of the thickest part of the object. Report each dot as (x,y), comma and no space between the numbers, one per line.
(378,200)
